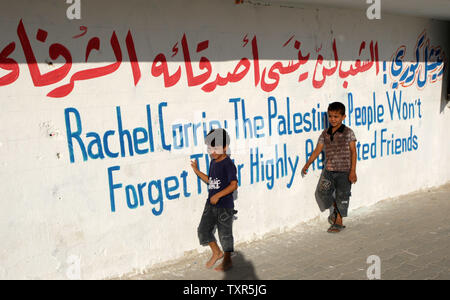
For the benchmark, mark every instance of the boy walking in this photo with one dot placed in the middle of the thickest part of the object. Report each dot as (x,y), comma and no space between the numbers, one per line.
(339,170)
(219,207)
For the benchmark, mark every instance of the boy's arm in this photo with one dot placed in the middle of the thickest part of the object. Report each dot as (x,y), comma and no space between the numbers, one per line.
(352,176)
(228,190)
(200,174)
(313,157)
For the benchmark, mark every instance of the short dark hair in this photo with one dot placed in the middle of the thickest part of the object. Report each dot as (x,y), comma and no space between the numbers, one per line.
(337,106)
(217,137)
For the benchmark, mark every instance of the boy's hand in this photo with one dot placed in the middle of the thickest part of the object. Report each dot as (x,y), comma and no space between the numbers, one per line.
(352,177)
(199,173)
(214,199)
(194,165)
(305,169)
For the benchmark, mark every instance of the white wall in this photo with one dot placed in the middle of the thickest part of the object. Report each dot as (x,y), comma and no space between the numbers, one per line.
(56,212)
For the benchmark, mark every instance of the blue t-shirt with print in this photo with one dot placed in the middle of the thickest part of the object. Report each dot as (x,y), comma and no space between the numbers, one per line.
(221,173)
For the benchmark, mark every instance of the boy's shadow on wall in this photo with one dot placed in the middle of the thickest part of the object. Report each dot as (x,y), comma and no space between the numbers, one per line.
(242,269)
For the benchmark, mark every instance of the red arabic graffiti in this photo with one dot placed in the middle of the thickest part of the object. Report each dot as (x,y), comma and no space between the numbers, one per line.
(353,70)
(199,74)
(8,64)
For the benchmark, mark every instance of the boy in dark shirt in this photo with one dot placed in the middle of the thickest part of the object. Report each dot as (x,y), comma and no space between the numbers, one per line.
(219,207)
(340,167)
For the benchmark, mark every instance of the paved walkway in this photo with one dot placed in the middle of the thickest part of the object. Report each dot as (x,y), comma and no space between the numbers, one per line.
(409,234)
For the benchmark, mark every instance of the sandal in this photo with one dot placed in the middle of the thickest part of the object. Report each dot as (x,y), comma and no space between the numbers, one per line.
(335,228)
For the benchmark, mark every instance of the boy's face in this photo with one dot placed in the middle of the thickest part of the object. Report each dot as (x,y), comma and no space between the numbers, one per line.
(335,118)
(216,152)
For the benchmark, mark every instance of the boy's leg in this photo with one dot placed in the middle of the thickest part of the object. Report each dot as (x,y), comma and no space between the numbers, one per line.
(333,213)
(226,263)
(206,234)
(333,210)
(343,188)
(216,254)
(225,230)
(343,193)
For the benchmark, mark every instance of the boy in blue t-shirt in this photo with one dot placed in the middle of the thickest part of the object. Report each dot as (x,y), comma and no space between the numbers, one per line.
(219,207)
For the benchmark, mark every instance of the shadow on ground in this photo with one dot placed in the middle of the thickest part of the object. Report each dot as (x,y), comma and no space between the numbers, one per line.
(242,269)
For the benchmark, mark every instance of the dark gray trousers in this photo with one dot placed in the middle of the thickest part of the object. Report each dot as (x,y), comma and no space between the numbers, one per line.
(334,187)
(217,217)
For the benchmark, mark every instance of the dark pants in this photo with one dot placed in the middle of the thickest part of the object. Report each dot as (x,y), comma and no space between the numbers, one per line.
(337,183)
(219,217)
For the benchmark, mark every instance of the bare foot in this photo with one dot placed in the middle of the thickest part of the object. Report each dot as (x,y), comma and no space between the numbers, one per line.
(214,258)
(224,266)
